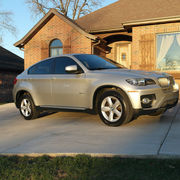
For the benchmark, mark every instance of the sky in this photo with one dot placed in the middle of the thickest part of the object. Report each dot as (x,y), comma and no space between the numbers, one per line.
(23,20)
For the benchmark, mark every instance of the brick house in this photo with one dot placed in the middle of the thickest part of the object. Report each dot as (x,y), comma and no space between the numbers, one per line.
(141,34)
(10,66)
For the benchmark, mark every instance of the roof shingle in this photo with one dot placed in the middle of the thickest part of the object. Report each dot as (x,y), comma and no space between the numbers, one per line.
(10,61)
(115,15)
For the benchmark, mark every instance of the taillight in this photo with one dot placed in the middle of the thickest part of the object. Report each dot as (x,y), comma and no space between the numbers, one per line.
(15,81)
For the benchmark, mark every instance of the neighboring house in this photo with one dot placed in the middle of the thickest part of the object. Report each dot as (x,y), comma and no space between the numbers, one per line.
(141,34)
(10,66)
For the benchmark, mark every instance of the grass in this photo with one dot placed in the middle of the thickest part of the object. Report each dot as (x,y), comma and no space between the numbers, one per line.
(86,167)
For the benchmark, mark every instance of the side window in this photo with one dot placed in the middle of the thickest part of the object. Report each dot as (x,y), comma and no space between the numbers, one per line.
(44,67)
(61,63)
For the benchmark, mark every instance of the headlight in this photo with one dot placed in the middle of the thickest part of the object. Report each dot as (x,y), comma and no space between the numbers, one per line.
(140,82)
(176,87)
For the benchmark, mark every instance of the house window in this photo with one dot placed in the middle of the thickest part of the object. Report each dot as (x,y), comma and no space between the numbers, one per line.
(168,51)
(123,56)
(56,48)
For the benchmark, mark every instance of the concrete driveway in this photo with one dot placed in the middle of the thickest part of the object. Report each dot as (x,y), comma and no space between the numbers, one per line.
(76,132)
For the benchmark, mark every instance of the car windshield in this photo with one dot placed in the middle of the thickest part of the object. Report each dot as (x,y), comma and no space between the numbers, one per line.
(93,62)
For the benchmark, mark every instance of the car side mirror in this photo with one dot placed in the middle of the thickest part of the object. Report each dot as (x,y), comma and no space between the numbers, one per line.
(72,69)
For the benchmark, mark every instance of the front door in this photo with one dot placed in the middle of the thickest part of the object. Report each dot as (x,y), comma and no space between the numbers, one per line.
(123,54)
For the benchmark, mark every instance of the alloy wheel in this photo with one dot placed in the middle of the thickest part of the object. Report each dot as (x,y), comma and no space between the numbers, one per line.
(111,109)
(26,107)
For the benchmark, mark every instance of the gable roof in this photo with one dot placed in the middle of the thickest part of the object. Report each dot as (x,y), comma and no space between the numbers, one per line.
(130,12)
(44,20)
(10,61)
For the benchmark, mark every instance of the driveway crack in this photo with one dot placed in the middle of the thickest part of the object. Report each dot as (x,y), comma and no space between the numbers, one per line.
(167,133)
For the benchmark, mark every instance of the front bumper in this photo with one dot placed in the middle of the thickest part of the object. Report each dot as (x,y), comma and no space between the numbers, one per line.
(162,98)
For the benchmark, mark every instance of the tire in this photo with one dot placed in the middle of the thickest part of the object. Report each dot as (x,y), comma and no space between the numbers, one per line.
(27,108)
(114,108)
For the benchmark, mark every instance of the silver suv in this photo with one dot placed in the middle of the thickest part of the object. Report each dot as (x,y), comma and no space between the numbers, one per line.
(89,82)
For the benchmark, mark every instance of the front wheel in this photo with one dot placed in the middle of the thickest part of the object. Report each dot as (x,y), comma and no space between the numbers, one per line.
(114,108)
(27,108)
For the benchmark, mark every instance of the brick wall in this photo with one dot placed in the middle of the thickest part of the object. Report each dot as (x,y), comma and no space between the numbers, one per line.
(144,46)
(38,47)
(6,85)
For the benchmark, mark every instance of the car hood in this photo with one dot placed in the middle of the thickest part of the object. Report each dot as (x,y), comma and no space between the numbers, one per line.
(132,73)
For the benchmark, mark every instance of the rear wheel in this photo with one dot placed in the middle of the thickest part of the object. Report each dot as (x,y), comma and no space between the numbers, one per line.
(114,108)
(27,108)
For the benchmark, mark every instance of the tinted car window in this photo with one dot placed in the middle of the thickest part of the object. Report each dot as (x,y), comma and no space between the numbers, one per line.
(44,67)
(93,62)
(61,63)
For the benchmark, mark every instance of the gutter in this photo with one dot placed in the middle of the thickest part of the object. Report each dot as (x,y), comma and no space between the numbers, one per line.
(139,22)
(21,48)
(152,21)
(106,30)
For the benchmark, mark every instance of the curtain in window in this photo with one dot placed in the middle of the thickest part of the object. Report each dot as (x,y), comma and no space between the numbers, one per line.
(56,48)
(56,52)
(178,38)
(166,43)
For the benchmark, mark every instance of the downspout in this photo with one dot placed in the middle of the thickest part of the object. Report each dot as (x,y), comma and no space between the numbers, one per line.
(93,46)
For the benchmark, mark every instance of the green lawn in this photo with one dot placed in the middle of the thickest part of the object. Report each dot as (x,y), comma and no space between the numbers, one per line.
(86,167)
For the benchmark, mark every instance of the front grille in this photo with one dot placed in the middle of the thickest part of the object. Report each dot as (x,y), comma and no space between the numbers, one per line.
(166,82)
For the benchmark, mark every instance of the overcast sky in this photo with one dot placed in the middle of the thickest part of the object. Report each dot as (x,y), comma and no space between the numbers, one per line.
(23,20)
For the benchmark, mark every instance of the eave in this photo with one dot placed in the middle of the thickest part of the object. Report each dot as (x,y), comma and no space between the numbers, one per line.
(44,20)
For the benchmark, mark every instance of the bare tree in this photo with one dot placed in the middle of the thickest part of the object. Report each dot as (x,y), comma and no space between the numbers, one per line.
(71,8)
(6,24)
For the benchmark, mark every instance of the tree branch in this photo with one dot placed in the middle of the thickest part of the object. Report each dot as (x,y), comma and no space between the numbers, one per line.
(72,8)
(81,8)
(76,4)
(6,24)
(67,6)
